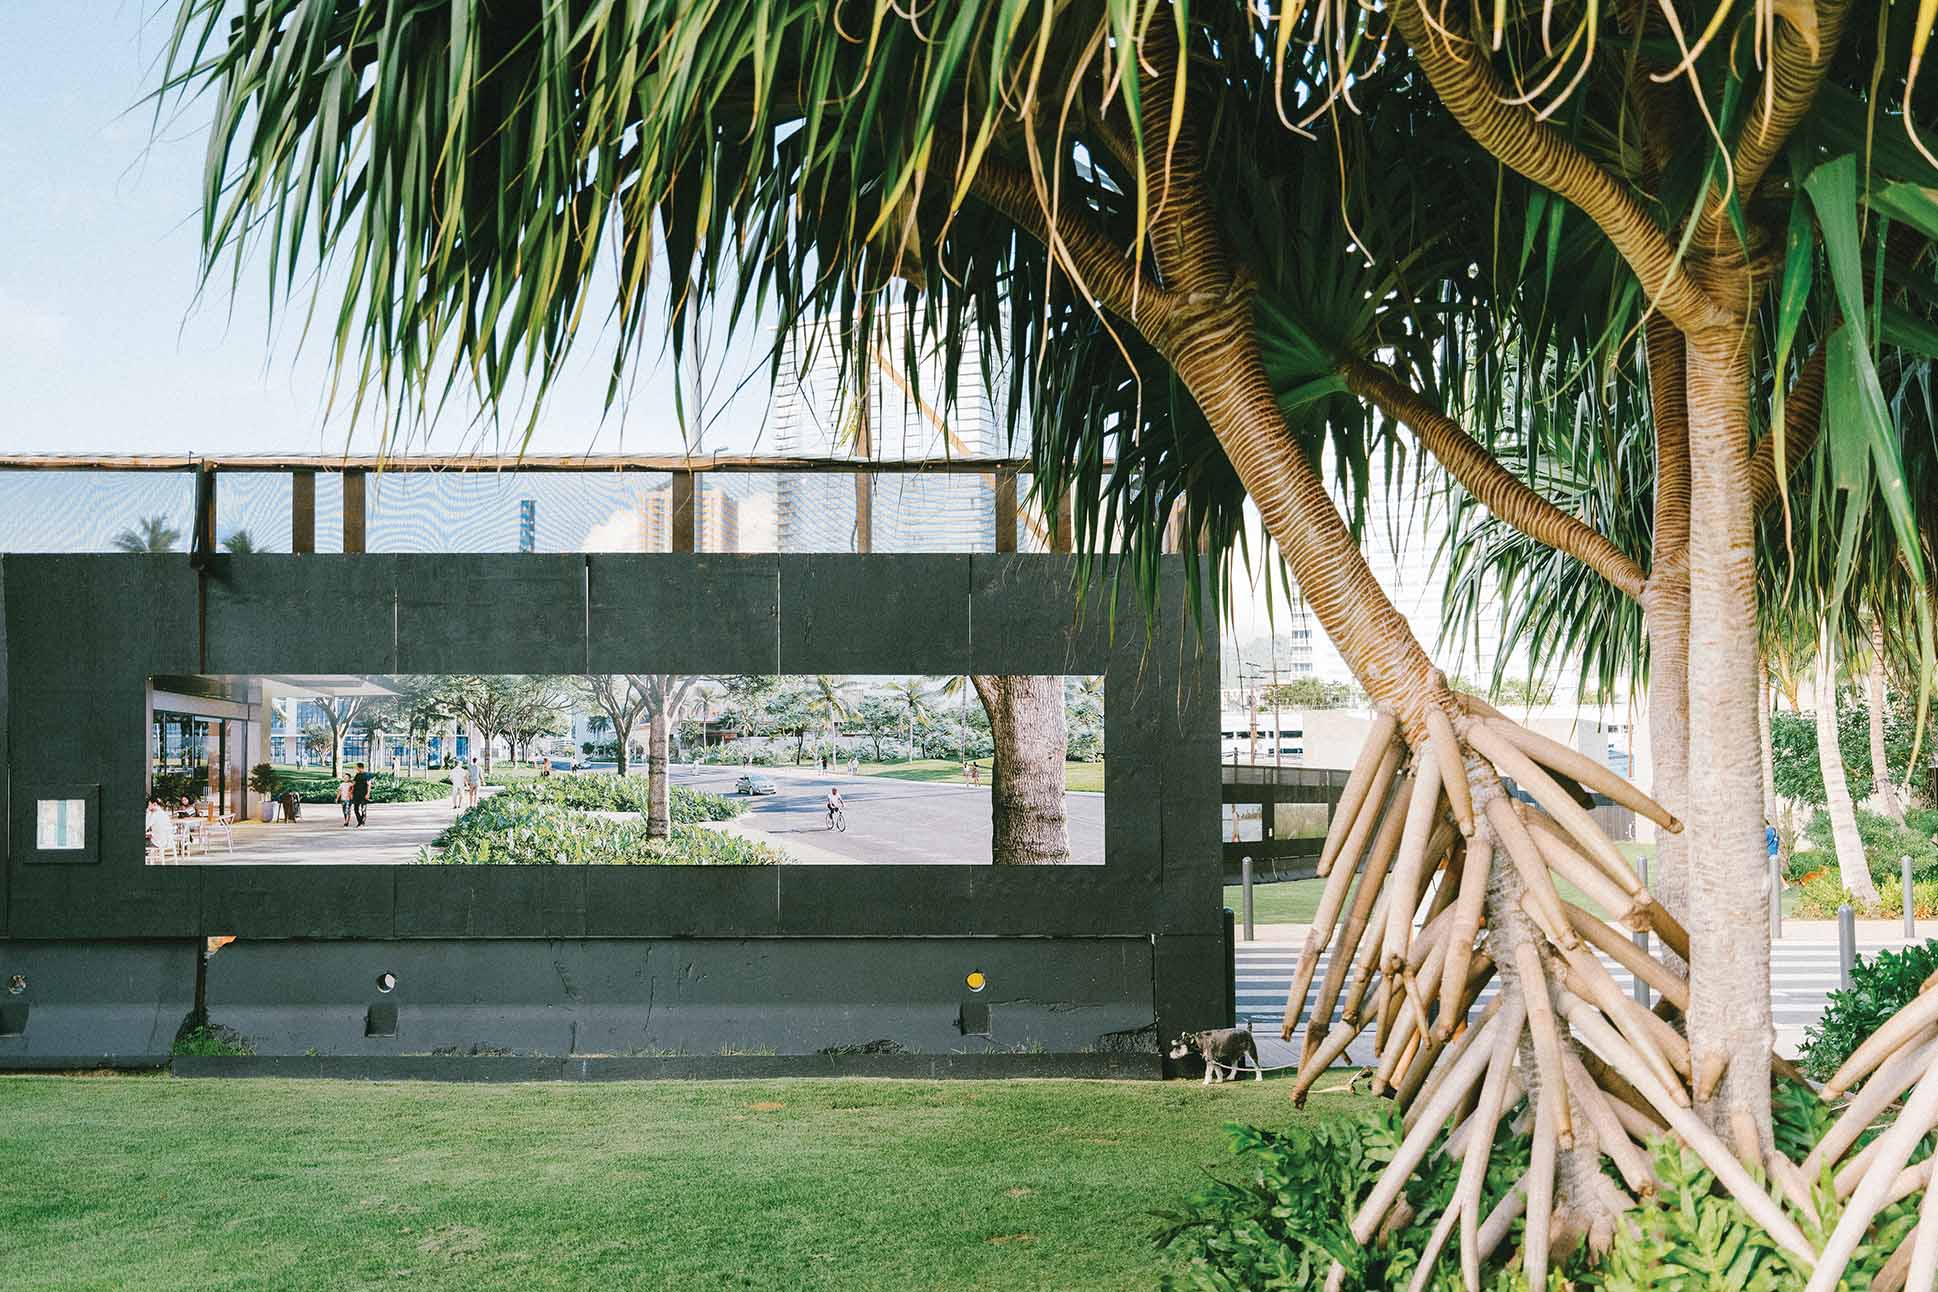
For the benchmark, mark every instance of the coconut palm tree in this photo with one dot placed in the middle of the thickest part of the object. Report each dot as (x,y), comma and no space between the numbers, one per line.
(239,542)
(830,701)
(913,697)
(154,534)
(1853,869)
(1217,241)
(1884,798)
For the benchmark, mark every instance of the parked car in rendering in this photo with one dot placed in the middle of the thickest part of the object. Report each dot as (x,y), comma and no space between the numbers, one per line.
(755,784)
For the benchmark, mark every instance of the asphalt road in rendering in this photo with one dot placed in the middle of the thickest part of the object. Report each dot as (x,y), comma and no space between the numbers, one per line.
(889,821)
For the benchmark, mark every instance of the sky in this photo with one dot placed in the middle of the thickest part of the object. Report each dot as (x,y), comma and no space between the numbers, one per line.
(110,344)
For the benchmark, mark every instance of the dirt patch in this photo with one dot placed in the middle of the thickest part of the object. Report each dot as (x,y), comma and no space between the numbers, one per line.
(453,1242)
(1012,1240)
(1019,1192)
(767,1106)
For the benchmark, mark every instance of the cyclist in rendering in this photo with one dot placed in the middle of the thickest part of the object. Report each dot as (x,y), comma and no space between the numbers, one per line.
(834,804)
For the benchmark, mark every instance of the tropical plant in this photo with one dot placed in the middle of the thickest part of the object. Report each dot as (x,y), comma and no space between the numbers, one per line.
(239,543)
(154,534)
(1880,986)
(264,782)
(913,699)
(515,828)
(1210,241)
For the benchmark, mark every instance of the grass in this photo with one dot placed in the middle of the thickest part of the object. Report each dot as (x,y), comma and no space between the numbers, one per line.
(1296,901)
(1292,902)
(864,1186)
(1076,776)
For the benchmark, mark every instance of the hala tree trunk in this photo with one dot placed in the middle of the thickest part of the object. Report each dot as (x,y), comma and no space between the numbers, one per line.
(1026,814)
(1853,870)
(1666,605)
(1730,1025)
(659,817)
(1884,796)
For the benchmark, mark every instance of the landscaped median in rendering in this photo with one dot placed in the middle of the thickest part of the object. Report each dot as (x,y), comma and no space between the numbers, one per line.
(593,820)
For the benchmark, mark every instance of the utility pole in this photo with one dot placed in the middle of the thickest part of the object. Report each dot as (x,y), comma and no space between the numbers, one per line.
(1251,697)
(1278,727)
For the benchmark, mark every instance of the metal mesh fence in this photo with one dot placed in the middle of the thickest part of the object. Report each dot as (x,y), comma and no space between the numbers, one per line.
(513,510)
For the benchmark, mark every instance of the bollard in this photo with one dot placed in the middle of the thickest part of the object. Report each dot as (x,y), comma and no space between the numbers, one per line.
(1846,945)
(1776,900)
(1910,916)
(1641,936)
(1245,887)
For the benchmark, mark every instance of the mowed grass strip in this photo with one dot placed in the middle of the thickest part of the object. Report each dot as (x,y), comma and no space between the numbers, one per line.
(1085,777)
(132,1183)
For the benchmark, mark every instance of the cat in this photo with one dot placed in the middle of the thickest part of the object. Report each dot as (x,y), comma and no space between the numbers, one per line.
(1222,1049)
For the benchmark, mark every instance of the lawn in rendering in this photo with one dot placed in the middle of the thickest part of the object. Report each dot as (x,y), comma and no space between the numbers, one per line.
(164,1183)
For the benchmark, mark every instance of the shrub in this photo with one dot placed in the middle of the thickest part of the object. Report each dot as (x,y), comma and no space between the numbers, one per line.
(1820,897)
(173,786)
(264,782)
(1282,1222)
(211,1041)
(1924,821)
(596,792)
(514,829)
(320,787)
(1880,987)
(1885,842)
(1287,1216)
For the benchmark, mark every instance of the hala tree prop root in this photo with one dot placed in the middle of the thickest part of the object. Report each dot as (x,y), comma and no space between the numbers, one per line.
(1599,1069)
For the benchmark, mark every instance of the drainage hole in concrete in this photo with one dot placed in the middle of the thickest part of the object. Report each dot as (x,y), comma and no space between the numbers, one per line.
(386,982)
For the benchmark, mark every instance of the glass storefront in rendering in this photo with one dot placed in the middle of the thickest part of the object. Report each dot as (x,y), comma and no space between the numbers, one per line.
(198,758)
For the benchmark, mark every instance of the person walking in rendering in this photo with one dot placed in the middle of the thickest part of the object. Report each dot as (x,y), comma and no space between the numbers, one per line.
(459,776)
(343,796)
(476,779)
(360,792)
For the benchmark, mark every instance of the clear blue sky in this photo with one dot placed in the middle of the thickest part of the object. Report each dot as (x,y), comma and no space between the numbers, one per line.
(103,343)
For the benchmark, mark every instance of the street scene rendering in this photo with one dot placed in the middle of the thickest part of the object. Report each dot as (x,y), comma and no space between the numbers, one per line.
(640,768)
(995,646)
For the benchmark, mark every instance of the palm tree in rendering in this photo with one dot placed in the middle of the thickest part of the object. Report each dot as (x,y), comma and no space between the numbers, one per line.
(154,534)
(912,696)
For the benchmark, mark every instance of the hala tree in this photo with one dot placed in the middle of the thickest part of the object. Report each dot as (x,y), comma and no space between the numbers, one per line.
(1221,240)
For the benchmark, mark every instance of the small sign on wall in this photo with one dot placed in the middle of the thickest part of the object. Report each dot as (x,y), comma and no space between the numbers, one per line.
(62,827)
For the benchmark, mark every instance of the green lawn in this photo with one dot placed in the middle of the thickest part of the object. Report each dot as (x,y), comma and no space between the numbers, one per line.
(1296,902)
(1076,776)
(135,1183)
(1291,902)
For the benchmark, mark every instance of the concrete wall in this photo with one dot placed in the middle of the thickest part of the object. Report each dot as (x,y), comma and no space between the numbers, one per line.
(795,958)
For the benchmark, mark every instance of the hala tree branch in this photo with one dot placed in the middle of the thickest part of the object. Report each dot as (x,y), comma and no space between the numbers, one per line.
(1481,102)
(1798,61)
(1803,418)
(1487,480)
(1101,270)
(1669,406)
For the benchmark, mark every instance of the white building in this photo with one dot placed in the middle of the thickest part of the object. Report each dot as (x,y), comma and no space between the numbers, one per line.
(897,417)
